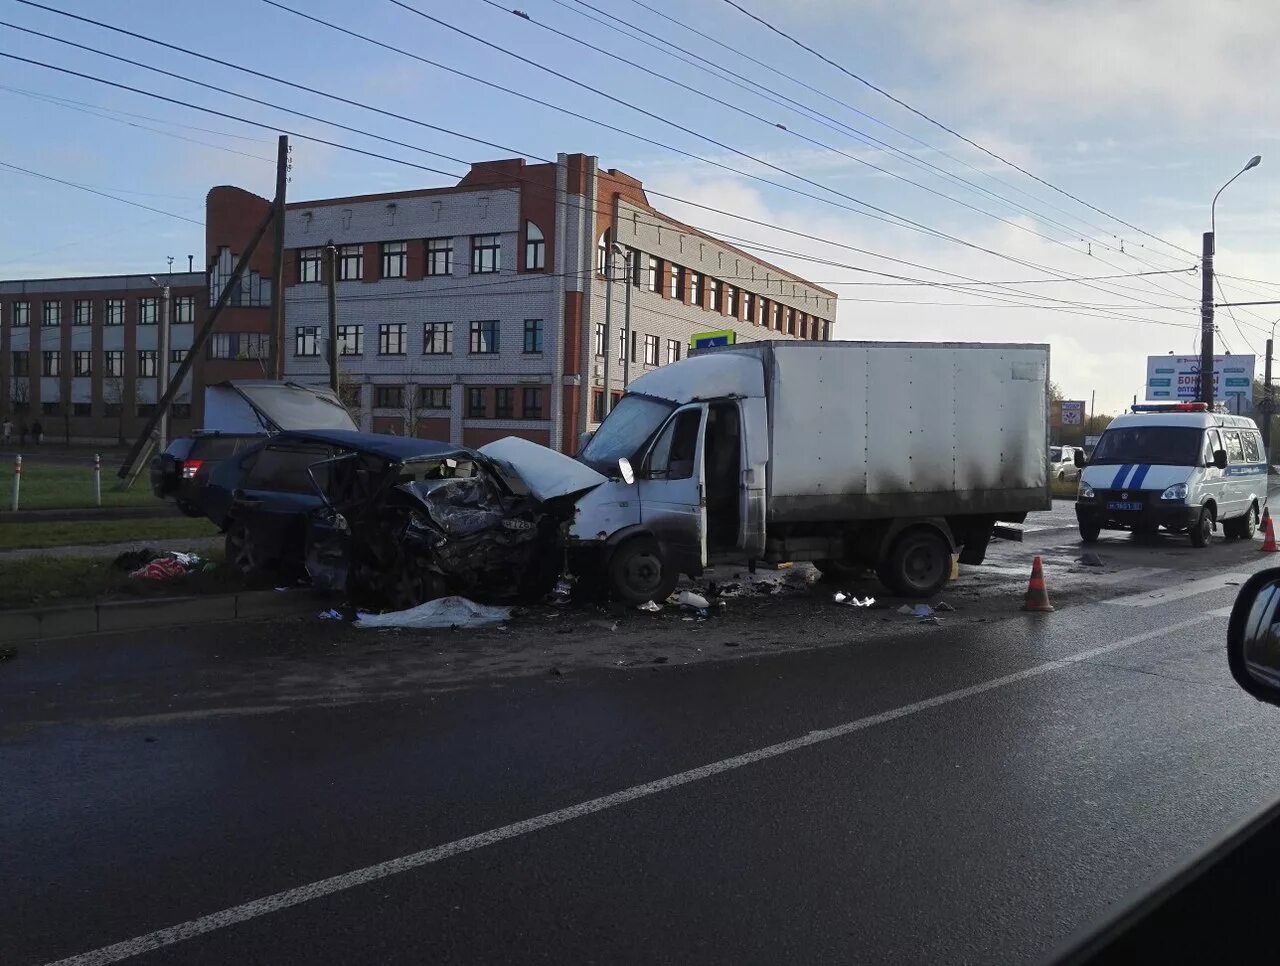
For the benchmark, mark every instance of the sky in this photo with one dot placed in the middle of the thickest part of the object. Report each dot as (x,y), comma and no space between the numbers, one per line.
(1124,119)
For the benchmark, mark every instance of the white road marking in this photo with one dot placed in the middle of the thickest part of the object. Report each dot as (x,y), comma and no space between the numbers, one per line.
(1132,574)
(1164,595)
(357,877)
(1220,612)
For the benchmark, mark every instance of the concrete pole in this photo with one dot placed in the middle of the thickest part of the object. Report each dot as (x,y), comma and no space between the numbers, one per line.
(331,276)
(1206,320)
(626,324)
(608,329)
(1269,400)
(162,368)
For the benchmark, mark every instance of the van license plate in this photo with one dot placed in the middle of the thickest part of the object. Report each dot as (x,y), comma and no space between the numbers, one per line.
(1116,505)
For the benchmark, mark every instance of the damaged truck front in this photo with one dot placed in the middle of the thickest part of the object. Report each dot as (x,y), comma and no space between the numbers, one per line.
(895,456)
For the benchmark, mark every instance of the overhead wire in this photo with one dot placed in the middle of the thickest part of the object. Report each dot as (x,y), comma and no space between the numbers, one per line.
(95,191)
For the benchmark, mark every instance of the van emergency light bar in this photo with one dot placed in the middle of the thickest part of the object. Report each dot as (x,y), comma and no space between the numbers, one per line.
(1186,407)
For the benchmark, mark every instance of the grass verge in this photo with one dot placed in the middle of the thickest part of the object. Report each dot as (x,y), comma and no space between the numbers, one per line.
(15,536)
(50,486)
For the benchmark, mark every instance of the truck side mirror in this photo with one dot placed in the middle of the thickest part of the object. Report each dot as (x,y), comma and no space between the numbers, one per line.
(1253,637)
(1220,458)
(1079,458)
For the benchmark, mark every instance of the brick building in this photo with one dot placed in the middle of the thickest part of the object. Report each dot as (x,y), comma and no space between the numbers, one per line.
(476,311)
(79,355)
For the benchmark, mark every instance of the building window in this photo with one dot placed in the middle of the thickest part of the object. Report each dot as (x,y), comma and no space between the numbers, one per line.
(114,314)
(531,407)
(486,254)
(732,307)
(391,338)
(350,263)
(599,341)
(433,397)
(597,406)
(388,397)
(82,313)
(791,321)
(21,314)
(535,248)
(239,345)
(653,274)
(21,364)
(476,404)
(309,264)
(622,347)
(184,309)
(306,340)
(51,313)
(634,271)
(81,364)
(145,409)
(437,338)
(146,363)
(50,409)
(673,350)
(113,363)
(602,253)
(713,295)
(777,317)
(395,259)
(484,338)
(695,288)
(764,311)
(674,283)
(180,410)
(51,363)
(176,356)
(650,350)
(748,306)
(439,256)
(502,405)
(532,335)
(351,340)
(83,409)
(148,310)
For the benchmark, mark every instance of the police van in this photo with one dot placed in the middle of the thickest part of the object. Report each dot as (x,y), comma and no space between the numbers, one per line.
(1177,466)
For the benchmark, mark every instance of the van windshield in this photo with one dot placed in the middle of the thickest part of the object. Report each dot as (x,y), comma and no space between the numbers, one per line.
(633,420)
(1167,445)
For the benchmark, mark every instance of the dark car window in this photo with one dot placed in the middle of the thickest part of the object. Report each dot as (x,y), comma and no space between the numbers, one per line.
(1162,445)
(222,447)
(284,468)
(673,454)
(180,448)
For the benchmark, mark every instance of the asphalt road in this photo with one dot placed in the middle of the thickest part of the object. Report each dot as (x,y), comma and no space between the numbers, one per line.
(265,793)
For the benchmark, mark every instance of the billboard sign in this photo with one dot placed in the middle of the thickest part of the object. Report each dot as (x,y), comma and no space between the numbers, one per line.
(1177,379)
(1073,412)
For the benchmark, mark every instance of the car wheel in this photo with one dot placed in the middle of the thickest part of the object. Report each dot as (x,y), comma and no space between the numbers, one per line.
(1202,530)
(242,553)
(637,572)
(917,565)
(1089,532)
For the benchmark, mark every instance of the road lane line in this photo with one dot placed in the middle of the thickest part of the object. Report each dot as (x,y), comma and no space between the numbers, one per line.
(348,880)
(1164,595)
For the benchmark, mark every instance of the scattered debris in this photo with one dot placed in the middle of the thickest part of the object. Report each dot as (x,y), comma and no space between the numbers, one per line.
(687,598)
(848,600)
(442,612)
(133,559)
(661,659)
(1091,560)
(943,607)
(919,610)
(607,625)
(162,568)
(649,606)
(330,615)
(935,621)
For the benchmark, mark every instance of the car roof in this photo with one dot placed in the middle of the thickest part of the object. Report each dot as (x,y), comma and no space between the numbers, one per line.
(1194,420)
(381,445)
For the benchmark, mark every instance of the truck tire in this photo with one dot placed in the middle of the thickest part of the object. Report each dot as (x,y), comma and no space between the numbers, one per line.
(638,573)
(917,565)
(1202,529)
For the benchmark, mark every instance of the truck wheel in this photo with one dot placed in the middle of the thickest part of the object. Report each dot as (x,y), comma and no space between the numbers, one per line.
(1202,529)
(1089,532)
(637,572)
(917,565)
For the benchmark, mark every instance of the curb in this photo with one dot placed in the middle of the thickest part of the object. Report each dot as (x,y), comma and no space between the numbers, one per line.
(161,511)
(132,615)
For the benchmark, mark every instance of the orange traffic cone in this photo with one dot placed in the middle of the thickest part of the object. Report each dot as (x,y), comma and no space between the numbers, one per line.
(1268,533)
(1037,598)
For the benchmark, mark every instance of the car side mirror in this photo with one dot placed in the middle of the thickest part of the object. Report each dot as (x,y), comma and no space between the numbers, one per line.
(1220,459)
(1253,636)
(1079,459)
(628,474)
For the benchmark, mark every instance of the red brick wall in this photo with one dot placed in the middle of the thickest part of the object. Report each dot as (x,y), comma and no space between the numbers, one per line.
(434,427)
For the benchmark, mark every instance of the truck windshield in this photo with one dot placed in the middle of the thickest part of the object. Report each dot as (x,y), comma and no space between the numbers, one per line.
(1167,445)
(633,420)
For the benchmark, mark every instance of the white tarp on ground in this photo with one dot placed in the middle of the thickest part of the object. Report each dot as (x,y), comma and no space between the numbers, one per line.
(442,612)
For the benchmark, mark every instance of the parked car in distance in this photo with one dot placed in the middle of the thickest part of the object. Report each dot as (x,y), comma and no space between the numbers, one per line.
(181,472)
(1062,462)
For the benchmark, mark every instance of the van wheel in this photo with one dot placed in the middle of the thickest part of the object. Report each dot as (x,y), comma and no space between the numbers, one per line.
(637,572)
(1203,529)
(1242,528)
(917,565)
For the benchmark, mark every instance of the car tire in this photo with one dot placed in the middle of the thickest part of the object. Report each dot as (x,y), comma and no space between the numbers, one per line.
(638,572)
(917,565)
(1202,530)
(242,552)
(1089,532)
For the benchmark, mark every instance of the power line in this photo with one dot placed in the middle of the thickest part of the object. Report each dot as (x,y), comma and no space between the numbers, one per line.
(95,191)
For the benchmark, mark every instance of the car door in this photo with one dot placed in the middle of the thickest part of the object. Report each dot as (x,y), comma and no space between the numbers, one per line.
(1213,482)
(1236,490)
(1255,480)
(671,489)
(276,494)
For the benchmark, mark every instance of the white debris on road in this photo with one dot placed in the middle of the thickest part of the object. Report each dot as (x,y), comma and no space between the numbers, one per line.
(441,613)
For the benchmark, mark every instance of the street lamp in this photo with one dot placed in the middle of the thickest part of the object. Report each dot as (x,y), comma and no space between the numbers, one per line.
(1206,289)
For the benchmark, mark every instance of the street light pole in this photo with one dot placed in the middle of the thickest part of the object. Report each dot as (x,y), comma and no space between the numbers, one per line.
(1206,290)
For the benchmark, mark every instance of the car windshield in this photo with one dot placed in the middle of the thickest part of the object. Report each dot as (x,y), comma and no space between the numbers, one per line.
(624,431)
(1055,454)
(1167,445)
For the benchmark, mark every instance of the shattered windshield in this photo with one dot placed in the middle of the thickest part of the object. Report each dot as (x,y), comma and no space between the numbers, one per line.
(624,431)
(1164,445)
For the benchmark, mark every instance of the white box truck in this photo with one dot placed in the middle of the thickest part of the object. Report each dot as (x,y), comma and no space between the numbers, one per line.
(889,454)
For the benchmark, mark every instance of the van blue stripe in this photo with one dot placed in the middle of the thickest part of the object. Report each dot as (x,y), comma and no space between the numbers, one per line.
(1139,476)
(1120,475)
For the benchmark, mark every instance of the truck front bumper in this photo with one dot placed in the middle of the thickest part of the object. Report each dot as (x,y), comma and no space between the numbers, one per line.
(1152,514)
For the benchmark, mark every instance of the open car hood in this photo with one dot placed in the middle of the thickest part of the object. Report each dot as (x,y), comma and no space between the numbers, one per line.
(539,471)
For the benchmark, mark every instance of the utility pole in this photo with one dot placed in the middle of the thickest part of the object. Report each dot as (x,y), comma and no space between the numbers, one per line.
(1269,400)
(330,278)
(1093,398)
(608,329)
(1206,320)
(277,265)
(162,365)
(628,280)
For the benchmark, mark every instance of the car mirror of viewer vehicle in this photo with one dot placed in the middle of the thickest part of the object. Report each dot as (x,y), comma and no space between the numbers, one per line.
(1253,636)
(1079,458)
(1220,458)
